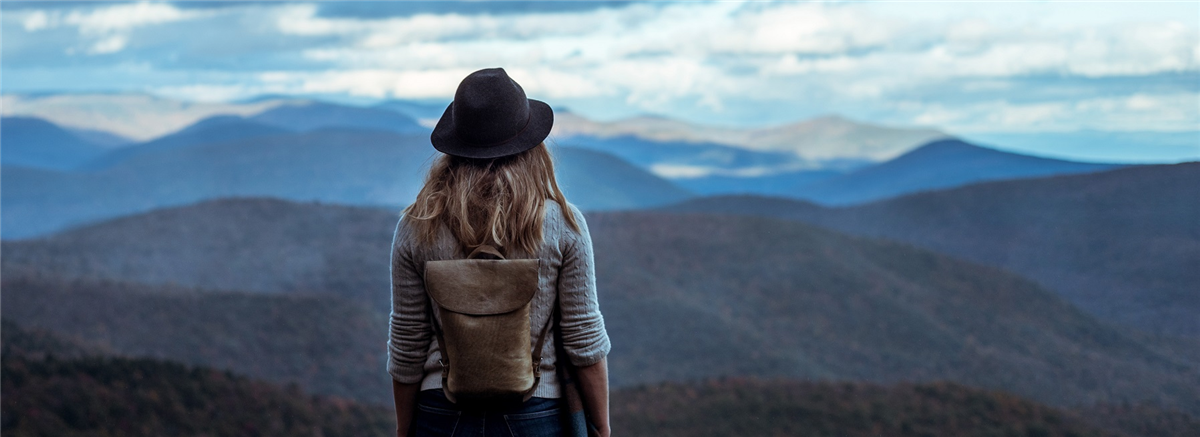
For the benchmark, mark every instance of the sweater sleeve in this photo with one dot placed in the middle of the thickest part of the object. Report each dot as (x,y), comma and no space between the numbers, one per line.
(410,333)
(584,337)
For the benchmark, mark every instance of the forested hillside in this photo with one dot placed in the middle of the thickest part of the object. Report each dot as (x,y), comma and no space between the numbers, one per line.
(1122,244)
(680,301)
(114,396)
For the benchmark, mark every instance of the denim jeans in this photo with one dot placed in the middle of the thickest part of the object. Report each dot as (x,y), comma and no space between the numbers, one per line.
(438,417)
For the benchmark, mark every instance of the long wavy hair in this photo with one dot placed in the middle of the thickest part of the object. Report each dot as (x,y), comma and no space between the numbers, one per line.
(499,201)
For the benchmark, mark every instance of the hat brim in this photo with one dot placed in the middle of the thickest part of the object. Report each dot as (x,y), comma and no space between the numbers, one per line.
(541,120)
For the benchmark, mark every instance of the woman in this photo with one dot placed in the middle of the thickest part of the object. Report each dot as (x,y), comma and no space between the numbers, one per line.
(495,185)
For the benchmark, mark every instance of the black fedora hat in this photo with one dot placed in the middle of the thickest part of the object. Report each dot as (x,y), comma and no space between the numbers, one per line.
(490,117)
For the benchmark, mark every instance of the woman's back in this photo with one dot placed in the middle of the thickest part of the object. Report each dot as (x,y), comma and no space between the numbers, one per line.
(566,275)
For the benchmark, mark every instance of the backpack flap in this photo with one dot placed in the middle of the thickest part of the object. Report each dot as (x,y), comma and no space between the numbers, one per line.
(481,286)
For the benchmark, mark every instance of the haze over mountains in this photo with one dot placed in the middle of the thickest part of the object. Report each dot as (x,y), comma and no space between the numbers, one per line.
(140,117)
(339,165)
(304,150)
(827,138)
(677,294)
(1122,244)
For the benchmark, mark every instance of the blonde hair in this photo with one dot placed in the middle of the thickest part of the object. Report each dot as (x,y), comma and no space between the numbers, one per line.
(499,201)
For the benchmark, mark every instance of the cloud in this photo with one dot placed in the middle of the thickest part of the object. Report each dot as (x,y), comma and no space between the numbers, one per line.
(1135,112)
(104,29)
(1021,66)
(122,17)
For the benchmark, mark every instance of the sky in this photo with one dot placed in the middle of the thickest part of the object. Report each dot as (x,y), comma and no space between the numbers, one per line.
(974,68)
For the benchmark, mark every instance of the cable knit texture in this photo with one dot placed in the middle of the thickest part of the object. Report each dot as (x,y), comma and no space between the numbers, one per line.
(567,270)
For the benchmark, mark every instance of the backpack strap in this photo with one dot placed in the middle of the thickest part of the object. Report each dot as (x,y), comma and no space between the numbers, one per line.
(443,361)
(488,249)
(537,351)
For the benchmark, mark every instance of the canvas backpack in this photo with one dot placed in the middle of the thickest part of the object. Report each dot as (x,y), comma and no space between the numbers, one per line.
(484,335)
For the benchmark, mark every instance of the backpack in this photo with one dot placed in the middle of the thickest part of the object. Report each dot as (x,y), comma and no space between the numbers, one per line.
(484,306)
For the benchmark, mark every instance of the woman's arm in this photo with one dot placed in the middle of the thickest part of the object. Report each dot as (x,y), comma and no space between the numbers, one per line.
(593,387)
(409,331)
(581,325)
(405,396)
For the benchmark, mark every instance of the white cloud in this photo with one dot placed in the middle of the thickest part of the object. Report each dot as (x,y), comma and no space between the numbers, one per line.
(1134,112)
(106,28)
(109,44)
(700,60)
(35,21)
(377,83)
(123,17)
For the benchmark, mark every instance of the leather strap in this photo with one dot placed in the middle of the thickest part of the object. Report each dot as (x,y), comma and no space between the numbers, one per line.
(537,353)
(444,360)
(488,249)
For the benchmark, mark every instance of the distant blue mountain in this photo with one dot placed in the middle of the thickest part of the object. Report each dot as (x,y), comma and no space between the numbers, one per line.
(779,184)
(317,115)
(599,181)
(100,138)
(659,155)
(209,130)
(33,142)
(346,166)
(1109,146)
(415,109)
(936,165)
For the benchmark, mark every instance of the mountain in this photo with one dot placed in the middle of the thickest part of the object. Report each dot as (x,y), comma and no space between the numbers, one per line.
(105,395)
(749,407)
(137,116)
(757,296)
(822,139)
(1122,244)
(683,160)
(33,142)
(313,115)
(349,166)
(101,138)
(785,183)
(217,128)
(600,181)
(685,297)
(329,345)
(1098,145)
(425,112)
(39,343)
(118,396)
(936,165)
(225,244)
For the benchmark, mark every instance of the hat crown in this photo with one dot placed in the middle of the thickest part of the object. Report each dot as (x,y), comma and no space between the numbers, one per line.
(489,107)
(491,117)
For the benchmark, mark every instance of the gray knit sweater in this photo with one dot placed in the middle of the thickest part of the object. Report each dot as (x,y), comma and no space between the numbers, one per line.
(567,269)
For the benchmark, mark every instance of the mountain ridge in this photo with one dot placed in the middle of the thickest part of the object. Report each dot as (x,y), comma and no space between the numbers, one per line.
(1073,233)
(339,165)
(935,165)
(38,143)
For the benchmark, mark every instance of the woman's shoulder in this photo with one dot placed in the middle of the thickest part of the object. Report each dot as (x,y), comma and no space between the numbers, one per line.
(556,214)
